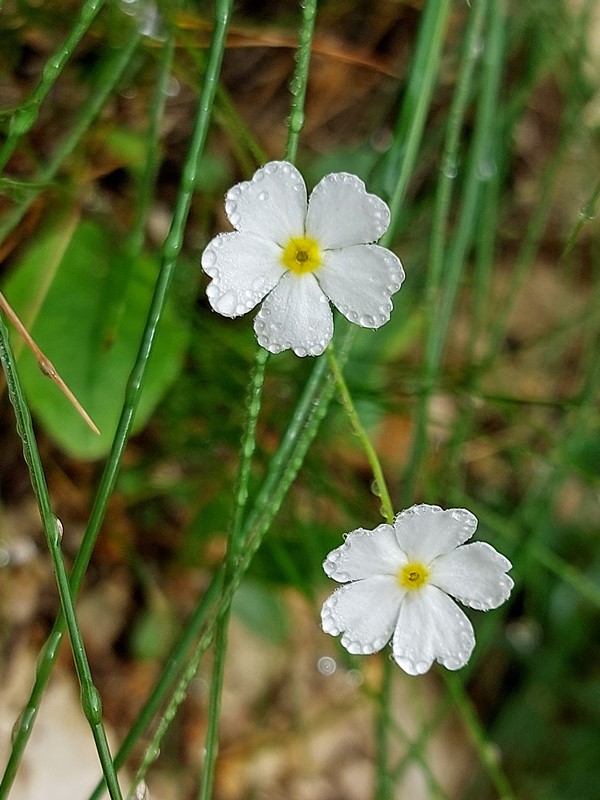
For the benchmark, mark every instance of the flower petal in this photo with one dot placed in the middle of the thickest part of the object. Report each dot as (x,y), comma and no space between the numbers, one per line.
(431,627)
(271,205)
(475,574)
(365,612)
(365,554)
(341,212)
(359,280)
(295,315)
(425,531)
(243,269)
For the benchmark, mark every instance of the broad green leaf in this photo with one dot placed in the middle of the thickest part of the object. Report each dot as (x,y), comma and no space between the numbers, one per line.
(89,322)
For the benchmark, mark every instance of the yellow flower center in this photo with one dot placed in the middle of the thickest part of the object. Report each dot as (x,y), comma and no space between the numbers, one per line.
(301,254)
(413,576)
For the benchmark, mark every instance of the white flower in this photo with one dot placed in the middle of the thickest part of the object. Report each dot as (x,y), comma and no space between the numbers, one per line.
(398,581)
(297,255)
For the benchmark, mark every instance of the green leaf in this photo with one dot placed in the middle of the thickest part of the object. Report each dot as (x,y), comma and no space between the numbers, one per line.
(89,324)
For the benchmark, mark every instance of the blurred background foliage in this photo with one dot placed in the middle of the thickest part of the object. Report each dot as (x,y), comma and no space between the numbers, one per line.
(510,414)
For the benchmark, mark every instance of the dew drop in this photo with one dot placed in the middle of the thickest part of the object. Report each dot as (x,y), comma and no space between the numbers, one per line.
(141,791)
(588,212)
(209,257)
(450,168)
(225,304)
(486,169)
(263,196)
(367,321)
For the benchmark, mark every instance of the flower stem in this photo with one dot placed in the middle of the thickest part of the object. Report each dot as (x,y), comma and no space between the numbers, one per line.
(181,666)
(111,73)
(387,509)
(171,249)
(299,80)
(234,548)
(90,697)
(236,541)
(26,115)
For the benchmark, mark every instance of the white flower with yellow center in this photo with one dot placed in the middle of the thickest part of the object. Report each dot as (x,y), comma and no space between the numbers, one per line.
(398,581)
(300,255)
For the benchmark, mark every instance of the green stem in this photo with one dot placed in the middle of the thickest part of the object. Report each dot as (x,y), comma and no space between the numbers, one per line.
(134,386)
(477,734)
(431,37)
(90,697)
(110,75)
(145,191)
(234,549)
(25,116)
(299,80)
(447,262)
(282,471)
(387,509)
(236,540)
(400,159)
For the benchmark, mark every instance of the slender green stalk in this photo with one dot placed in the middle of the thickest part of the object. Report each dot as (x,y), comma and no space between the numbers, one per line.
(234,550)
(387,509)
(283,468)
(443,284)
(90,697)
(110,75)
(433,29)
(134,386)
(298,86)
(299,80)
(146,187)
(25,116)
(476,732)
(400,159)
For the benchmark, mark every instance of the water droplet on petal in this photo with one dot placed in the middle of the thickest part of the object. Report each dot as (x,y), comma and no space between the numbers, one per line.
(209,257)
(367,321)
(263,196)
(225,304)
